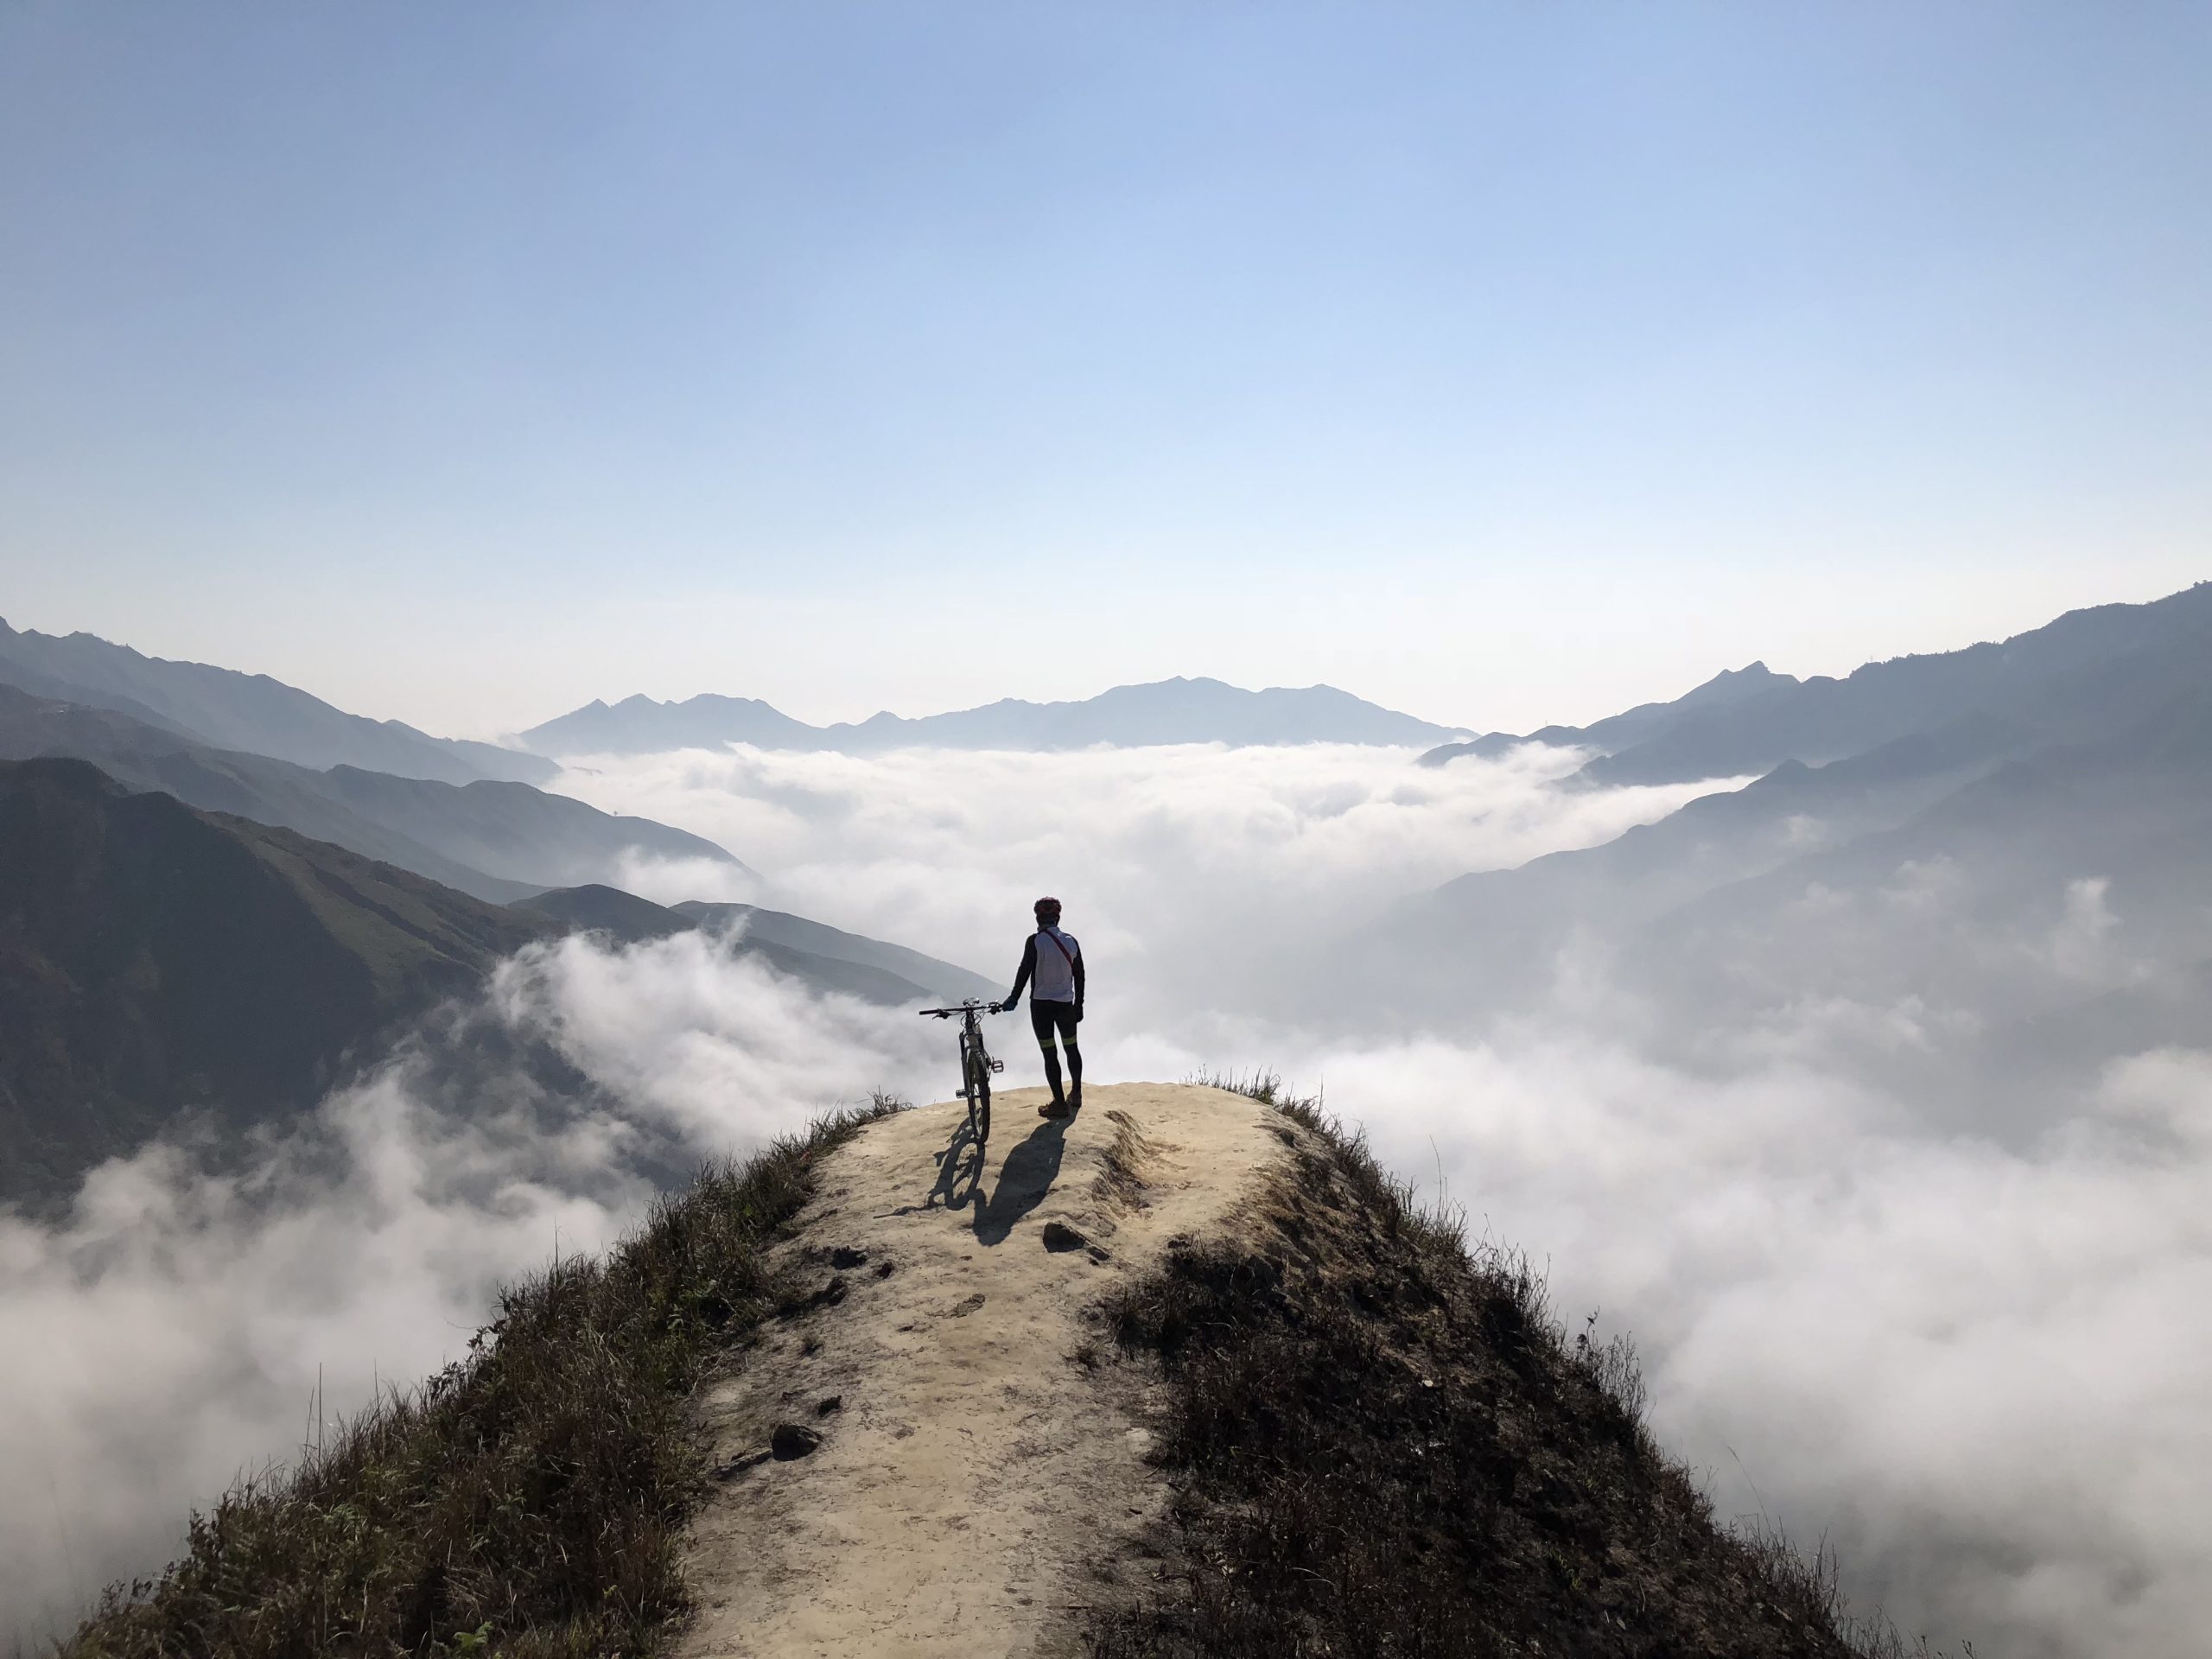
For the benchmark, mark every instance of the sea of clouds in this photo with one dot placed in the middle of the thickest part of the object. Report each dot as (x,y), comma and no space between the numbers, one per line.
(1973,1363)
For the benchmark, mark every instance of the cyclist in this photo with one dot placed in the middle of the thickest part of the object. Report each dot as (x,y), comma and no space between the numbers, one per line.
(1051,963)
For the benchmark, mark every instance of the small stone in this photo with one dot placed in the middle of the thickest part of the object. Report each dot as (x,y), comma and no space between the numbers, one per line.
(835,1403)
(846,1256)
(967,1305)
(1059,1237)
(884,1269)
(792,1441)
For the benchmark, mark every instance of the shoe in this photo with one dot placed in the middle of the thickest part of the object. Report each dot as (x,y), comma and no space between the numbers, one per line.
(1075,1098)
(1054,1108)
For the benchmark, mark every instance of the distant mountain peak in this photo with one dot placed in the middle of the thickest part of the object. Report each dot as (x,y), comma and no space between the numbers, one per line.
(1180,709)
(2095,668)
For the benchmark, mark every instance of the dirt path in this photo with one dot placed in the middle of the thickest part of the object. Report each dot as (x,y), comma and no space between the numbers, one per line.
(974,1484)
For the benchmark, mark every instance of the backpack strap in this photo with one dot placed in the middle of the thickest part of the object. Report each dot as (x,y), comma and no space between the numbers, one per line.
(1058,946)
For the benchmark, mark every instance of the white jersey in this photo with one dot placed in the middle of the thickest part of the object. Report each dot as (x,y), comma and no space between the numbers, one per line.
(1057,955)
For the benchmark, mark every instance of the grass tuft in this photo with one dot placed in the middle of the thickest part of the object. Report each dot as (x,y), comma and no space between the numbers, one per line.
(528,1500)
(1262,1086)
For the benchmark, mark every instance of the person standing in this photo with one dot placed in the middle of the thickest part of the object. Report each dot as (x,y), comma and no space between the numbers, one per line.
(1051,964)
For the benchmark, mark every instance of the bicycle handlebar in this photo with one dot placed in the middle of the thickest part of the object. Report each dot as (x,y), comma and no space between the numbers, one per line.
(965,1007)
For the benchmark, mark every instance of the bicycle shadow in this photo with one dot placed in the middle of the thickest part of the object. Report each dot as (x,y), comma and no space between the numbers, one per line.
(1024,1180)
(963,1157)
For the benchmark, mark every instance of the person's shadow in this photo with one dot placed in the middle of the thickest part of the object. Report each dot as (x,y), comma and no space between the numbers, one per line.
(1024,1180)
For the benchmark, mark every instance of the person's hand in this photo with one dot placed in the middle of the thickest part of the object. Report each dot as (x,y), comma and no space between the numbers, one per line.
(1078,1014)
(1007,1006)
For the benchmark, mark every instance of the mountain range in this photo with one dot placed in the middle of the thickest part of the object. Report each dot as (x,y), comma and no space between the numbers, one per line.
(498,840)
(1897,819)
(233,713)
(222,708)
(2002,846)
(157,959)
(2085,673)
(1128,716)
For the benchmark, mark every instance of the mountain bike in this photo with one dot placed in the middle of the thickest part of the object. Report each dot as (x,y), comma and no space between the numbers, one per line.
(976,1066)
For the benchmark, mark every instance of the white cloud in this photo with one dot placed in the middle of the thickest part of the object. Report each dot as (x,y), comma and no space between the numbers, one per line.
(183,1323)
(1188,867)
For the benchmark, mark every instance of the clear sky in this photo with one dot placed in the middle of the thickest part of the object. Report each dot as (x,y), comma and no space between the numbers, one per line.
(1504,362)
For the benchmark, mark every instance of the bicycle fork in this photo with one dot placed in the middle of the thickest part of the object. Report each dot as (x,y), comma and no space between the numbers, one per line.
(974,1062)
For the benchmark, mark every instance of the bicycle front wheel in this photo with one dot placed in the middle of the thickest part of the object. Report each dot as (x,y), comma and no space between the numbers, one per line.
(979,1095)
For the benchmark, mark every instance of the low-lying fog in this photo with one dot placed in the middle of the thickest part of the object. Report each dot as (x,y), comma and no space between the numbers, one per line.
(1972,1361)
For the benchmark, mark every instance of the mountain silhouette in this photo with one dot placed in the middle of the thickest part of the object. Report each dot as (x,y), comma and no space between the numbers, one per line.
(496,840)
(253,714)
(1642,723)
(1165,711)
(2089,670)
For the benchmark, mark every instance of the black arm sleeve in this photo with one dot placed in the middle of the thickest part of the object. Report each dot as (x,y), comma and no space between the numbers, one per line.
(1028,967)
(1079,977)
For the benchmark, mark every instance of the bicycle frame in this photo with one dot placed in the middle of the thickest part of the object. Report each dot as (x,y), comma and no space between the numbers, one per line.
(976,1066)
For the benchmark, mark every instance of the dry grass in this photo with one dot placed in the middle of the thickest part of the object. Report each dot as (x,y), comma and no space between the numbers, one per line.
(1382,1442)
(527,1501)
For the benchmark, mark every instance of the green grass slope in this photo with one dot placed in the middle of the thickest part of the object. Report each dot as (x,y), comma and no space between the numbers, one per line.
(154,958)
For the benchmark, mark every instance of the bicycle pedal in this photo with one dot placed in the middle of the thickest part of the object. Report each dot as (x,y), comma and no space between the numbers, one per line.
(998,1066)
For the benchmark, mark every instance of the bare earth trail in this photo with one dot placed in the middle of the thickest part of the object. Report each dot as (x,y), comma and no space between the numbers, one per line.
(975,1487)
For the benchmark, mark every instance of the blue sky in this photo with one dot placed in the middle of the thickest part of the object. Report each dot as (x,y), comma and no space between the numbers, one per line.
(1506,363)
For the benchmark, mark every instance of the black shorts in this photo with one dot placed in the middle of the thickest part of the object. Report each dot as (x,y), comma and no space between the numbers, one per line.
(1045,1017)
